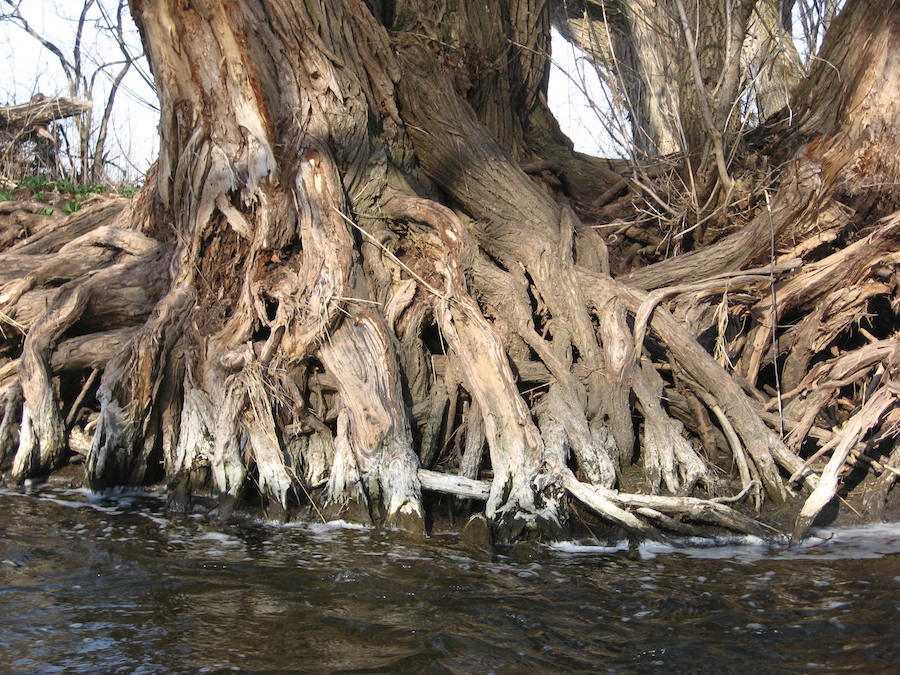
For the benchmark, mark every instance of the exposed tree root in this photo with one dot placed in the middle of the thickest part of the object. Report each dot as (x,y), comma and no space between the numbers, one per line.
(638,514)
(840,446)
(346,283)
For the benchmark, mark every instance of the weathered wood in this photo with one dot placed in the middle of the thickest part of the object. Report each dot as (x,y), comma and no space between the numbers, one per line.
(360,354)
(618,507)
(459,486)
(42,441)
(40,111)
(342,260)
(867,418)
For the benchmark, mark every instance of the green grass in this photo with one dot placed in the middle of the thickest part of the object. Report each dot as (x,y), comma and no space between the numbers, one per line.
(71,207)
(37,183)
(72,194)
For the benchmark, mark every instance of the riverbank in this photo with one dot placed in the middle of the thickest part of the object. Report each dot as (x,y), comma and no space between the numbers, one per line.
(448,515)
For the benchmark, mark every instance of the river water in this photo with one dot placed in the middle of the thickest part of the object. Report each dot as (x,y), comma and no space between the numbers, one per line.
(121,585)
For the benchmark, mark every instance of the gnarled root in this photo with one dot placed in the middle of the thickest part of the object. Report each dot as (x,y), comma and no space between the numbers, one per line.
(642,515)
(840,446)
(361,356)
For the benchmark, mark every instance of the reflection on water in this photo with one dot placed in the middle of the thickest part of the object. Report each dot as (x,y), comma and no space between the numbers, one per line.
(121,586)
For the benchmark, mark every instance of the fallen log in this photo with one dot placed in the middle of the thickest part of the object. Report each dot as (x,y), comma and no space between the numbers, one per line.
(40,111)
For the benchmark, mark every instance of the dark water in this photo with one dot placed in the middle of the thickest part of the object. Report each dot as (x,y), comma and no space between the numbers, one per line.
(119,586)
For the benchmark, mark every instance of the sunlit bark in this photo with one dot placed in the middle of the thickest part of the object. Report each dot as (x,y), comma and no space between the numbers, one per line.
(367,259)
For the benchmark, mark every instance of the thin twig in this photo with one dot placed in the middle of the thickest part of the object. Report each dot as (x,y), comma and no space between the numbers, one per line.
(774,315)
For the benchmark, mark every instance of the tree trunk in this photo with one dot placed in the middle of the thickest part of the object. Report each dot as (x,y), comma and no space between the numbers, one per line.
(771,58)
(349,281)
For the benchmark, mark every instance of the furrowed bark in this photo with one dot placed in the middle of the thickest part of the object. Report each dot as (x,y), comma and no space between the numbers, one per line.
(361,356)
(376,255)
(515,445)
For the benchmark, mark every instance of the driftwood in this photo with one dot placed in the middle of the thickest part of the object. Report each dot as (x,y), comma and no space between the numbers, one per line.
(27,142)
(868,417)
(39,112)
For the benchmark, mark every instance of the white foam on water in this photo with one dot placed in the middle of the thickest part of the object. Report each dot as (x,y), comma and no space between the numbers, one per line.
(158,520)
(845,542)
(574,547)
(718,548)
(124,495)
(856,542)
(404,555)
(74,505)
(220,538)
(838,543)
(861,541)
(333,525)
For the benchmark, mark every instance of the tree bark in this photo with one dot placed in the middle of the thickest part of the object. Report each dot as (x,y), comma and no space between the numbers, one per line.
(341,285)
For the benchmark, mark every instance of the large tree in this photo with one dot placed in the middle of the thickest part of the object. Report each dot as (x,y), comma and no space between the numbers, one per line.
(367,254)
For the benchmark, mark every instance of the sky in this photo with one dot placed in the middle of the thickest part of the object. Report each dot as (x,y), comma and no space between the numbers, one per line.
(134,124)
(579,102)
(36,69)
